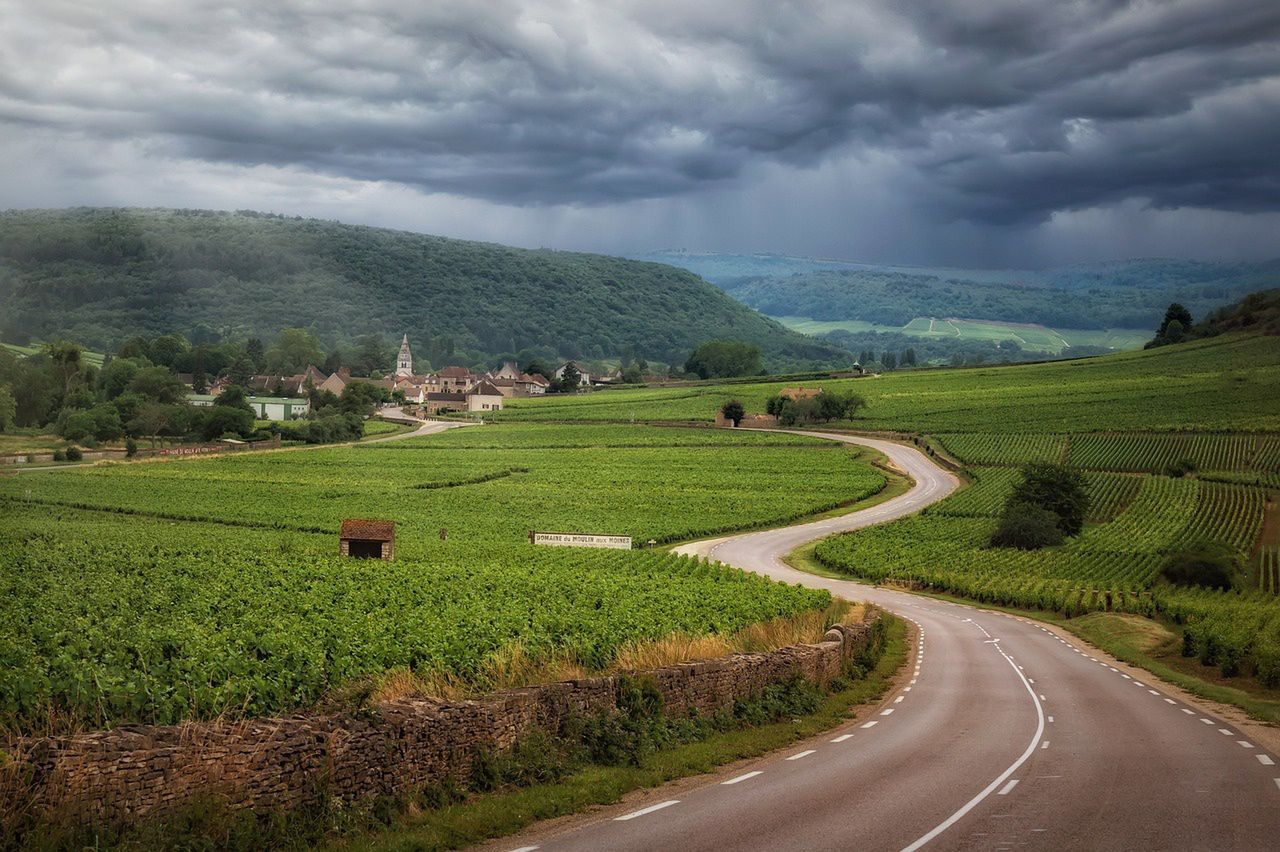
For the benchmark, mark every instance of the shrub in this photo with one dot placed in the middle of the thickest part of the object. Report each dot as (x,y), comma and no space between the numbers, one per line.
(130,447)
(74,454)
(59,455)
(1027,527)
(1201,563)
(1180,469)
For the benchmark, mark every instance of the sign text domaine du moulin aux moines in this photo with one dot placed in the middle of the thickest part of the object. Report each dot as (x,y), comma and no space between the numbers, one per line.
(554,539)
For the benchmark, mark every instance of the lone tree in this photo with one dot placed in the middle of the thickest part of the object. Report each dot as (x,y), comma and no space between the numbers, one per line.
(1057,488)
(1049,503)
(1175,326)
(570,380)
(734,411)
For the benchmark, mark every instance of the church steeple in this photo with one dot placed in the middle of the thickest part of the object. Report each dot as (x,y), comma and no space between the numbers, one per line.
(404,362)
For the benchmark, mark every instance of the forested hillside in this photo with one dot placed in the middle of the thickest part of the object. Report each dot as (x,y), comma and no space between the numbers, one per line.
(100,275)
(1120,294)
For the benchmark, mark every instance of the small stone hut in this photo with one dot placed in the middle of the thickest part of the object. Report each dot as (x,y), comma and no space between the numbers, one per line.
(367,539)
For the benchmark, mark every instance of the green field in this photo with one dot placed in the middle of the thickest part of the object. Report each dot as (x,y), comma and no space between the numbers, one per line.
(1124,419)
(1214,384)
(166,590)
(93,359)
(1114,565)
(1031,337)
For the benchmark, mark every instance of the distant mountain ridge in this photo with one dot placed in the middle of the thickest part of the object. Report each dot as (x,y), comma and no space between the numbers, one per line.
(1110,294)
(101,275)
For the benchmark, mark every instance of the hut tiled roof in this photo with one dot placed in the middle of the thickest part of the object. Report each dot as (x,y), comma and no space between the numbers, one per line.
(368,530)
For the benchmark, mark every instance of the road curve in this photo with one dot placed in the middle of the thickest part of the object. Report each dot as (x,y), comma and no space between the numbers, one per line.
(1005,735)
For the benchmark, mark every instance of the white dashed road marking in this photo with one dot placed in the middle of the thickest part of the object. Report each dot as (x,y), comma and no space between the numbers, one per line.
(801,754)
(1004,791)
(741,778)
(841,738)
(647,810)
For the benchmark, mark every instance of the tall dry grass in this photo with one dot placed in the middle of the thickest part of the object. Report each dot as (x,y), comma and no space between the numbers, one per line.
(512,666)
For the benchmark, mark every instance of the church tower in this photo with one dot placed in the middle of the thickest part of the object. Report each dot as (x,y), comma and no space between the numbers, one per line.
(404,362)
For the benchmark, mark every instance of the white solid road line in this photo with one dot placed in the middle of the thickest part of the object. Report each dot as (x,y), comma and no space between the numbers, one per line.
(805,753)
(741,778)
(1002,777)
(647,810)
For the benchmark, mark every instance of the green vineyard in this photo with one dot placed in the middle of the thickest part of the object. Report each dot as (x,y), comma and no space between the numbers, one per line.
(1134,522)
(196,588)
(1218,384)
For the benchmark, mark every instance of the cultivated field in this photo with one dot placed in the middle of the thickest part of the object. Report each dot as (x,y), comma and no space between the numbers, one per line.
(1126,419)
(1215,384)
(159,591)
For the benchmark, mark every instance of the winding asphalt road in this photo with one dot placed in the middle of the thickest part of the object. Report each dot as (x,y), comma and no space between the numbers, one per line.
(1004,736)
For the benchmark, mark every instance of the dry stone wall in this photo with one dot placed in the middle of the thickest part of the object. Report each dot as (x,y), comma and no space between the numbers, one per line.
(272,764)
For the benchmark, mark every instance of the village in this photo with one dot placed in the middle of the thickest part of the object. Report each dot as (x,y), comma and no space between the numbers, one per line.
(448,390)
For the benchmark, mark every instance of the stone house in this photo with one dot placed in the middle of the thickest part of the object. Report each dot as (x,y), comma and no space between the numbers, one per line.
(364,538)
(485,396)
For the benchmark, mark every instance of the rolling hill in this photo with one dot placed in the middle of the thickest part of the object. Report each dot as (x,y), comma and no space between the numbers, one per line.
(1129,294)
(99,276)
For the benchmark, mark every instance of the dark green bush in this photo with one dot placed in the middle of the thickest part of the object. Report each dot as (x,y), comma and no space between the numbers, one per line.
(74,454)
(1202,563)
(1027,527)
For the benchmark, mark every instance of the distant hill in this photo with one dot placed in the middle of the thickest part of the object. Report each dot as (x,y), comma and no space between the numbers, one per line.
(1258,312)
(1129,294)
(100,275)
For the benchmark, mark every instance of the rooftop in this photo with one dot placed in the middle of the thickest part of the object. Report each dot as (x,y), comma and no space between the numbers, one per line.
(366,529)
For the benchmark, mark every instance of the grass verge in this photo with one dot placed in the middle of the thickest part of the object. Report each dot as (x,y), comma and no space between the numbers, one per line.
(494,815)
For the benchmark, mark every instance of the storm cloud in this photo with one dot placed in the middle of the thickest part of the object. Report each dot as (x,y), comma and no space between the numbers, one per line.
(986,116)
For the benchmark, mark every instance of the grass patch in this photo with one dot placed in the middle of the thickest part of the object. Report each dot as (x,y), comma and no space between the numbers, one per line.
(1152,646)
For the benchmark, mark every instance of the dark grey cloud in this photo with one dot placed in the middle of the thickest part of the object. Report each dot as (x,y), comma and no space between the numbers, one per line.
(1004,112)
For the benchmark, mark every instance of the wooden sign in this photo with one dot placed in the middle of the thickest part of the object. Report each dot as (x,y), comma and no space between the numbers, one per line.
(553,539)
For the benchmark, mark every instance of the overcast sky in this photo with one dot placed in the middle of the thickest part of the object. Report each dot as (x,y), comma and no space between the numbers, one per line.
(973,132)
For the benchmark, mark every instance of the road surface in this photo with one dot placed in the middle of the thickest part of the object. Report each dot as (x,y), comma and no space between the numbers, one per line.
(1005,735)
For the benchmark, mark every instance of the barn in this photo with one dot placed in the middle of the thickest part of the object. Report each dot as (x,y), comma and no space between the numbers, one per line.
(362,538)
